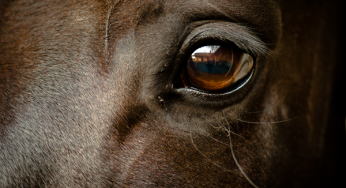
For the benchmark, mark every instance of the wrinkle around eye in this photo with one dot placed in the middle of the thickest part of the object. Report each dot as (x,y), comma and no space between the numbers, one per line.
(241,36)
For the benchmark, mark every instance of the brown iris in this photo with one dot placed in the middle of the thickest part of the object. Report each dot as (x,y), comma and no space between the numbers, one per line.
(216,67)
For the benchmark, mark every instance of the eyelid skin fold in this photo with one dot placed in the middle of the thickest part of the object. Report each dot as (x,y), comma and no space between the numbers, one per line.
(229,32)
(213,32)
(209,33)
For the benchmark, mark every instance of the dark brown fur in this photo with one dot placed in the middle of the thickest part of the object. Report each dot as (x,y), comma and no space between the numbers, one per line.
(86,95)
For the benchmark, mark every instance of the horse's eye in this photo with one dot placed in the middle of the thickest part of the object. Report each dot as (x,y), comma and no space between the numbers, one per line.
(216,68)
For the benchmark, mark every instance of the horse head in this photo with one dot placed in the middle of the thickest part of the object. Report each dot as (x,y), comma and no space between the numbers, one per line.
(194,93)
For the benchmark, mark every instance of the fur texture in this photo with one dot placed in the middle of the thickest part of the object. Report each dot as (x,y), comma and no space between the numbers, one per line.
(87,95)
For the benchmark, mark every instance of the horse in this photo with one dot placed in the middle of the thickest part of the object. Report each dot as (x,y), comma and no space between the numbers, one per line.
(99,93)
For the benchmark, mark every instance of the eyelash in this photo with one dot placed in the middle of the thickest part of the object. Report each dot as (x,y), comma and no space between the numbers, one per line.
(235,35)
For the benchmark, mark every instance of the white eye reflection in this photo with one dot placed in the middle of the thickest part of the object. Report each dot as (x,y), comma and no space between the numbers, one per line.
(205,50)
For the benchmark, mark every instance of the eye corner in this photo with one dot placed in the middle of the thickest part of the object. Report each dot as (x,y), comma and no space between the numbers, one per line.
(242,41)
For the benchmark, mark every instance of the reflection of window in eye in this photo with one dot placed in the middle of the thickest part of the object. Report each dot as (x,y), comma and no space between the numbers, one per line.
(216,71)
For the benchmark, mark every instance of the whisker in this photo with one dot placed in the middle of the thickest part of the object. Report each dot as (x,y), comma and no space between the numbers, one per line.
(274,122)
(220,127)
(208,159)
(238,165)
(225,128)
(256,112)
(216,140)
(229,130)
(235,159)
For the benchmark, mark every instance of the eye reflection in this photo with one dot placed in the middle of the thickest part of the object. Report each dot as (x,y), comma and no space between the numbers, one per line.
(216,67)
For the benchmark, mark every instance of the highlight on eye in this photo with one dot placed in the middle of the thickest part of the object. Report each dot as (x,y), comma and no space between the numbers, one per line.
(216,67)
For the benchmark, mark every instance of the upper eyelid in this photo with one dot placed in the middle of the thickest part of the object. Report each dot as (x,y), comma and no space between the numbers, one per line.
(241,36)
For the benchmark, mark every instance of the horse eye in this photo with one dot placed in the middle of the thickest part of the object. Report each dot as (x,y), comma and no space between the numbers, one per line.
(216,67)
